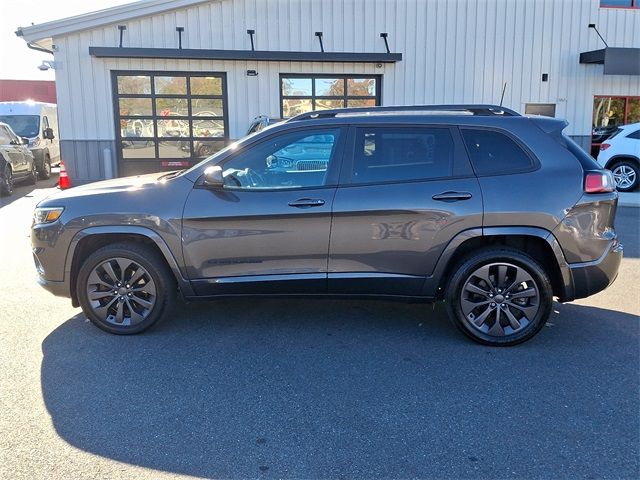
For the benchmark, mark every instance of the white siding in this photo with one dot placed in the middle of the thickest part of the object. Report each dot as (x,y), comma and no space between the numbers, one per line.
(454,51)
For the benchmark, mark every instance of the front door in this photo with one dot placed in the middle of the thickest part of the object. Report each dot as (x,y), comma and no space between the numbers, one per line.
(267,230)
(404,194)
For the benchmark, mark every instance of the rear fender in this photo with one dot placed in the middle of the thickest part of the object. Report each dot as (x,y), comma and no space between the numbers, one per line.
(448,258)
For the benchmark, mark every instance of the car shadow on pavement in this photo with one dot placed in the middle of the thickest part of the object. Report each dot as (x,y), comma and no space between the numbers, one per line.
(348,389)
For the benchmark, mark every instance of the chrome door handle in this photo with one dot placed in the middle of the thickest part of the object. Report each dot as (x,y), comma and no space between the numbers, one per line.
(307,203)
(452,196)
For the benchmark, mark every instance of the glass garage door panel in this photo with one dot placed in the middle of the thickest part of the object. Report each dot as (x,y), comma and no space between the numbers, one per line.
(301,93)
(168,120)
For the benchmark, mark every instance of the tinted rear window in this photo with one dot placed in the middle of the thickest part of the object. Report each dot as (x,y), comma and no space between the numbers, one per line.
(494,153)
(390,154)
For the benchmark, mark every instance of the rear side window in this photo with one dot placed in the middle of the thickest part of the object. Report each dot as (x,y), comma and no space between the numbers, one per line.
(494,153)
(635,135)
(395,154)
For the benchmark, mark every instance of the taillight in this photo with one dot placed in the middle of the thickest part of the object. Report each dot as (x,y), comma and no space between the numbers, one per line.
(599,182)
(604,146)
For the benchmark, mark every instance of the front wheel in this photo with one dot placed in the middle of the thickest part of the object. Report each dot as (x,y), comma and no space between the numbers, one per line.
(125,288)
(45,174)
(499,297)
(33,175)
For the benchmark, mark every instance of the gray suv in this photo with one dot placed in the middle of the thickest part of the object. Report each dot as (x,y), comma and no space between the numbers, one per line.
(493,212)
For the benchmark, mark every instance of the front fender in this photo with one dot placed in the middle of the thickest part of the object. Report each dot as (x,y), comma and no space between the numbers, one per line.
(183,283)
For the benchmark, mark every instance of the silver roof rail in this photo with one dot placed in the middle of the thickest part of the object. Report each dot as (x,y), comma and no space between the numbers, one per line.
(480,110)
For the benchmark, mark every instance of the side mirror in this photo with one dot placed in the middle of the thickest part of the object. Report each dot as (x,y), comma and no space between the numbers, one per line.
(24,140)
(212,177)
(48,133)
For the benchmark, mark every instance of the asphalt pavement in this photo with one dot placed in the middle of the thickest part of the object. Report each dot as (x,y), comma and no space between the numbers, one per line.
(312,388)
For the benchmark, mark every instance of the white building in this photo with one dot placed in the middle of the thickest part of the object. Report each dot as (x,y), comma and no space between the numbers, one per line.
(129,82)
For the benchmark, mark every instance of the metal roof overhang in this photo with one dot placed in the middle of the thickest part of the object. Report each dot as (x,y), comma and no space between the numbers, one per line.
(616,60)
(256,55)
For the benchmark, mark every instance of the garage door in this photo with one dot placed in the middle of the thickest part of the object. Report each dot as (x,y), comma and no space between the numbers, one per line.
(168,120)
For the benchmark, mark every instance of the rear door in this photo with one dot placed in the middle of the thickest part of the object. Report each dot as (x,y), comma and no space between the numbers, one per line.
(405,192)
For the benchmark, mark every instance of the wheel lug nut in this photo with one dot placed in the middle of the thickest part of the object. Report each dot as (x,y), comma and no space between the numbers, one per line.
(128,286)
(493,305)
(491,295)
(129,294)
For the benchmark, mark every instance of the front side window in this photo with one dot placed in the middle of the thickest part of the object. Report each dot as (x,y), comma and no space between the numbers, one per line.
(293,160)
(388,154)
(5,138)
(494,153)
(301,94)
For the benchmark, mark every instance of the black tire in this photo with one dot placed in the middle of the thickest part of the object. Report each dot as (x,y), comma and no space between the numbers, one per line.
(631,170)
(45,173)
(517,265)
(32,179)
(142,256)
(6,181)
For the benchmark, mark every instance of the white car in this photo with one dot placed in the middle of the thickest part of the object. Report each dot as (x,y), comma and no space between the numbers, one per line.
(620,153)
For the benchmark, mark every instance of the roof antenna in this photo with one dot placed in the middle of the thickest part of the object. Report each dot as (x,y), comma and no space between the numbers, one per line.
(504,89)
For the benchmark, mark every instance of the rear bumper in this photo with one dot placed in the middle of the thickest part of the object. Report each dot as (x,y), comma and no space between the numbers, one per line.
(590,278)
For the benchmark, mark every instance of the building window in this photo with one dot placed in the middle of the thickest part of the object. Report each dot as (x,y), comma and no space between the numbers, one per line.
(608,114)
(166,121)
(304,93)
(546,109)
(620,3)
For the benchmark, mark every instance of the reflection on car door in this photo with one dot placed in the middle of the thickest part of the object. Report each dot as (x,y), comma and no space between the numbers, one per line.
(404,193)
(267,230)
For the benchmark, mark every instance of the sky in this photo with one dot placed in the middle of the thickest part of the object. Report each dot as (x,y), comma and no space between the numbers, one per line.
(16,60)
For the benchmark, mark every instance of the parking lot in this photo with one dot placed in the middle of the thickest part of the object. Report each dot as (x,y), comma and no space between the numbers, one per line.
(312,388)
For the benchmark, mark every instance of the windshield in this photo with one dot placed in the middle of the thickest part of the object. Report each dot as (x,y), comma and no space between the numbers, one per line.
(23,125)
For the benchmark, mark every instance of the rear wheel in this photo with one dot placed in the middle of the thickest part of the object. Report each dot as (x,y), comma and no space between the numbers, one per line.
(6,181)
(125,288)
(499,297)
(626,175)
(45,173)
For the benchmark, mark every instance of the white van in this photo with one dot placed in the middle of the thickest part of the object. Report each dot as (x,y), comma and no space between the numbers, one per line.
(38,122)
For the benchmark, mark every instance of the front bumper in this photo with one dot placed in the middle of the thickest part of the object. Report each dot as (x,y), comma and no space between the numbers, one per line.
(590,278)
(59,289)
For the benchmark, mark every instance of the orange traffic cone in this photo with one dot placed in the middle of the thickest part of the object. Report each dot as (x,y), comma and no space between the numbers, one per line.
(63,182)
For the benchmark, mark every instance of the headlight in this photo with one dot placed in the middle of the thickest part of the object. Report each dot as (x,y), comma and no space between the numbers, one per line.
(46,215)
